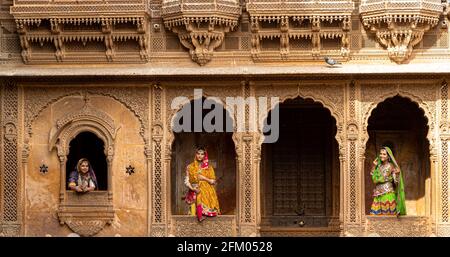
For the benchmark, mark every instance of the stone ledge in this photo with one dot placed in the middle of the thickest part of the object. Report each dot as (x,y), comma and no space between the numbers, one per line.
(146,71)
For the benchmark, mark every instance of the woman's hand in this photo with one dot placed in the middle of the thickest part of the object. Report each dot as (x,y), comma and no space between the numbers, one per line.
(375,162)
(78,189)
(212,181)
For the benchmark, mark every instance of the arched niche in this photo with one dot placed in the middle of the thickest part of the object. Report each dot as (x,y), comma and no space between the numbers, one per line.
(401,124)
(222,156)
(86,214)
(300,172)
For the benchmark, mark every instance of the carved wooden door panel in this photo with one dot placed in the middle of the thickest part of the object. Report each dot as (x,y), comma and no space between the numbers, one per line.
(299,165)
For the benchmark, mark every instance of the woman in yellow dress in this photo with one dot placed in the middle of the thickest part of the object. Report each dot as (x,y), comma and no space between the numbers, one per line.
(200,180)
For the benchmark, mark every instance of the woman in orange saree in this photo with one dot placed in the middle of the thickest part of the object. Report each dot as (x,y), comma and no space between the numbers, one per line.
(200,180)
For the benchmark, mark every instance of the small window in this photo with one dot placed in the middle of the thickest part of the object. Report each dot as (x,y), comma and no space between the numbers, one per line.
(88,145)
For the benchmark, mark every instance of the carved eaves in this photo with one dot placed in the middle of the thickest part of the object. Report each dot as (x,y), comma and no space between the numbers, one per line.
(201,25)
(82,31)
(399,25)
(308,20)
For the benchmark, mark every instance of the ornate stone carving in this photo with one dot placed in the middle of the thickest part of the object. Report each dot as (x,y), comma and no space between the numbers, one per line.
(299,20)
(157,218)
(201,26)
(39,98)
(399,25)
(88,117)
(420,93)
(187,226)
(68,25)
(86,214)
(9,161)
(398,226)
(331,96)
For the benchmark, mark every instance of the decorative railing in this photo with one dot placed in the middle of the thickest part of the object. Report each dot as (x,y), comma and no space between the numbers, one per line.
(82,31)
(287,21)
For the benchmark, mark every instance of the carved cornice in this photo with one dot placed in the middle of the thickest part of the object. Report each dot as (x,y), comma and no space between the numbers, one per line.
(300,20)
(56,24)
(400,25)
(201,27)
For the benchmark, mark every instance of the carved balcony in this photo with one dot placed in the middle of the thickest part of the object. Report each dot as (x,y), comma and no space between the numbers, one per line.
(201,24)
(399,25)
(291,28)
(86,214)
(82,30)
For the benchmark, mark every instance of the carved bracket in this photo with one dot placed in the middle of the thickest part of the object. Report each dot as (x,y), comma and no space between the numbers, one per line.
(399,26)
(289,21)
(201,28)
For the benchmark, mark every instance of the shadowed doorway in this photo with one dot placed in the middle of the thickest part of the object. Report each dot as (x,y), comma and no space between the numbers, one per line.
(300,172)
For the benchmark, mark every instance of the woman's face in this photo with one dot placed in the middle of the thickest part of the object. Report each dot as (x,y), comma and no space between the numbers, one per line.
(383,155)
(200,155)
(84,167)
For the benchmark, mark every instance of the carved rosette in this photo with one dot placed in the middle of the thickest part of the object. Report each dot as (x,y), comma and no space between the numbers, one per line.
(56,31)
(400,25)
(201,25)
(309,20)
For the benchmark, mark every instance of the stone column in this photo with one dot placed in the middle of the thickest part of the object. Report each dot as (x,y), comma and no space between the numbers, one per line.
(158,186)
(10,179)
(353,166)
(248,175)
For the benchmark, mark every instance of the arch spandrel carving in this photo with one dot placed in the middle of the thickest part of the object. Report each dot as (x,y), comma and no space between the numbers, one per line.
(327,95)
(213,93)
(423,95)
(87,119)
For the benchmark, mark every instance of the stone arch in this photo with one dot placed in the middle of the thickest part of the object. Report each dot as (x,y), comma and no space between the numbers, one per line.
(172,141)
(188,99)
(87,119)
(39,102)
(331,173)
(387,136)
(404,94)
(327,104)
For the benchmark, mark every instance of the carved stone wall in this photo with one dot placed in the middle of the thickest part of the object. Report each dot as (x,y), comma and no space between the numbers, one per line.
(186,226)
(142,114)
(11,207)
(123,113)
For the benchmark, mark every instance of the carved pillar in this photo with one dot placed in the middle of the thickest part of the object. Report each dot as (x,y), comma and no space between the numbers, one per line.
(353,168)
(443,226)
(10,219)
(158,207)
(248,169)
(62,168)
(148,157)
(109,160)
